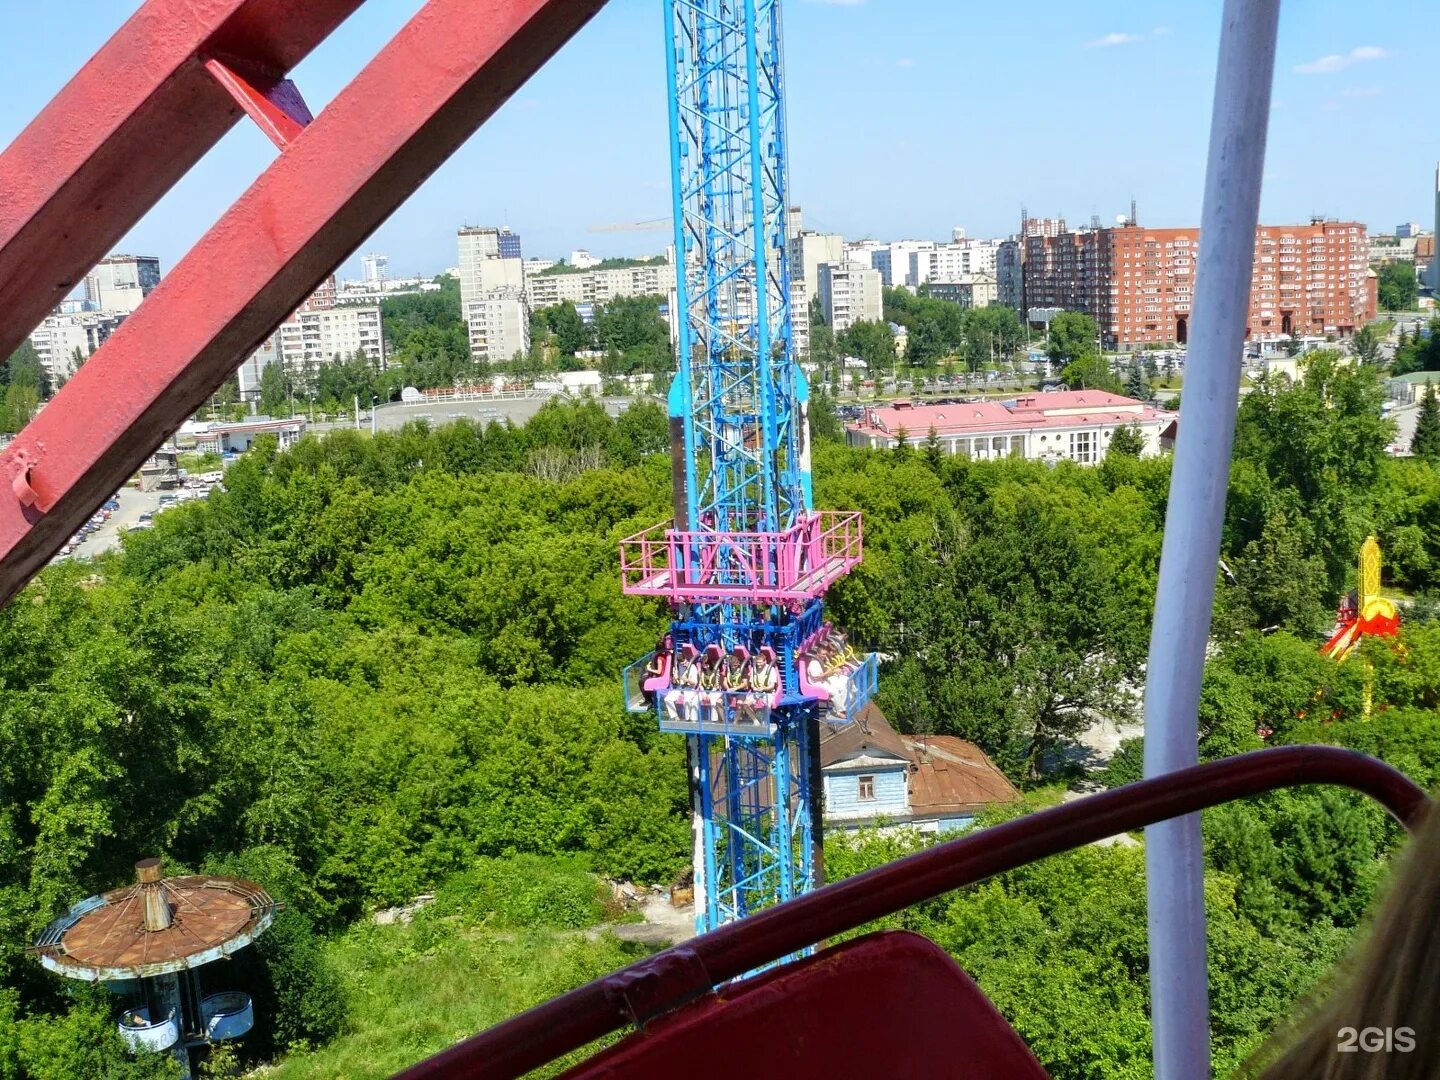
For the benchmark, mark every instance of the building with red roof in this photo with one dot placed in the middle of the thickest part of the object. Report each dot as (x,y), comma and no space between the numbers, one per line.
(1065,425)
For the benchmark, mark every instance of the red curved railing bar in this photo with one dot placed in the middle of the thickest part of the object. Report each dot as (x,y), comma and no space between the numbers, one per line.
(687,971)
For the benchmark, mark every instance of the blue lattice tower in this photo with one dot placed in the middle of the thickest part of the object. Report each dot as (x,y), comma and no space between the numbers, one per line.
(746,560)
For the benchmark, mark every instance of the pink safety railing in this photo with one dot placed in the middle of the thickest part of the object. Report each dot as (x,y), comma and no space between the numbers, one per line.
(744,567)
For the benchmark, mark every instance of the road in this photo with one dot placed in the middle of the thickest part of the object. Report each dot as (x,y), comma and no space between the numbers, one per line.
(395,415)
(1404,418)
(133,503)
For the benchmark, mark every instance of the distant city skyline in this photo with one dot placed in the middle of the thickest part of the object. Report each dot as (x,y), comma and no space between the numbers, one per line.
(895,133)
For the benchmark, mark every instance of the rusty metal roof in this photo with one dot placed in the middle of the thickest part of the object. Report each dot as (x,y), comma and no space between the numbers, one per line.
(946,773)
(952,774)
(869,731)
(104,937)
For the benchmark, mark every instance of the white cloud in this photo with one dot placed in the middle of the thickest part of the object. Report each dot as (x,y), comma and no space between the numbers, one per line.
(1160,31)
(1328,65)
(1361,91)
(904,62)
(1112,39)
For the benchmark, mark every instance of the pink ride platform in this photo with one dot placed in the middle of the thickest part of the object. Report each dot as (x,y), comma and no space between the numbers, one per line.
(743,567)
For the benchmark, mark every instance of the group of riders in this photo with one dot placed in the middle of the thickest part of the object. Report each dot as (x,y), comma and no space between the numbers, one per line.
(699,682)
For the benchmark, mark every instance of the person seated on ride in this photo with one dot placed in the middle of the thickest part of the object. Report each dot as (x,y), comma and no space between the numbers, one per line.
(764,684)
(735,678)
(685,684)
(825,672)
(658,667)
(711,680)
(844,655)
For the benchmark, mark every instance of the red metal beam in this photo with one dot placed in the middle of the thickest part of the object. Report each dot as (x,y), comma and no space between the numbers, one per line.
(681,974)
(124,130)
(444,73)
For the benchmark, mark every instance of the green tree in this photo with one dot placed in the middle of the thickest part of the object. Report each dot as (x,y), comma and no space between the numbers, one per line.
(825,424)
(1398,287)
(1366,345)
(572,335)
(274,391)
(1073,336)
(872,342)
(934,452)
(1137,385)
(631,322)
(991,335)
(1127,441)
(1426,442)
(1090,371)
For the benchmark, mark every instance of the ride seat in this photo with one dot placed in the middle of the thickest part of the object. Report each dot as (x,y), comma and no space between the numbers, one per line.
(891,1004)
(657,683)
(808,688)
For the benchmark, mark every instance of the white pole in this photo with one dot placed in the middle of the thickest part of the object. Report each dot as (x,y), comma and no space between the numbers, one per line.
(357,412)
(1186,591)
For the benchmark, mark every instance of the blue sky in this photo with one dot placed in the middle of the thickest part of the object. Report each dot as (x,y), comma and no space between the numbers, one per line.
(906,117)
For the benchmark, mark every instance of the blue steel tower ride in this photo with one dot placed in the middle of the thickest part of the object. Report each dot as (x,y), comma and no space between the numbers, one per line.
(746,560)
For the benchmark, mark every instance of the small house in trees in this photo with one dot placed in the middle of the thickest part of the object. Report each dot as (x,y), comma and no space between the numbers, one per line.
(874,776)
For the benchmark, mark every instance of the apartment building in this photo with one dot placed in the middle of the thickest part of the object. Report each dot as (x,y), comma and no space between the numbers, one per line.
(375,268)
(952,262)
(600,286)
(499,325)
(489,259)
(1009,274)
(970,290)
(893,261)
(60,337)
(849,294)
(1139,283)
(809,250)
(310,339)
(120,282)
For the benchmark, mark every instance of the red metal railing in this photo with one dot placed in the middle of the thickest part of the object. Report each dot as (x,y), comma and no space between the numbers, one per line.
(744,567)
(132,122)
(685,972)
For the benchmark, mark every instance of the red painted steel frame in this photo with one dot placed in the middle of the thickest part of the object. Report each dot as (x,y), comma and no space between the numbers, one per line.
(683,973)
(124,130)
(444,73)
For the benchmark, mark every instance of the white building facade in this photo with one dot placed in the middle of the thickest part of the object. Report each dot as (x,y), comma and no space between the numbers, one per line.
(850,294)
(310,339)
(1068,425)
(809,250)
(59,337)
(499,325)
(120,282)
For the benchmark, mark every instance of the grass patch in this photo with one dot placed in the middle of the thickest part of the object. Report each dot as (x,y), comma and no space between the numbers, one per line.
(199,463)
(414,990)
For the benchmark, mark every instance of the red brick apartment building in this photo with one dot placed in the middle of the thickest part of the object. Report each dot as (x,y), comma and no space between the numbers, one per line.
(1139,283)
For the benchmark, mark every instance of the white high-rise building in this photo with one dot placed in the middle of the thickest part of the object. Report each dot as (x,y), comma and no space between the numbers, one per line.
(600,286)
(952,262)
(375,268)
(849,294)
(57,339)
(893,261)
(808,250)
(120,282)
(312,338)
(499,325)
(489,259)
